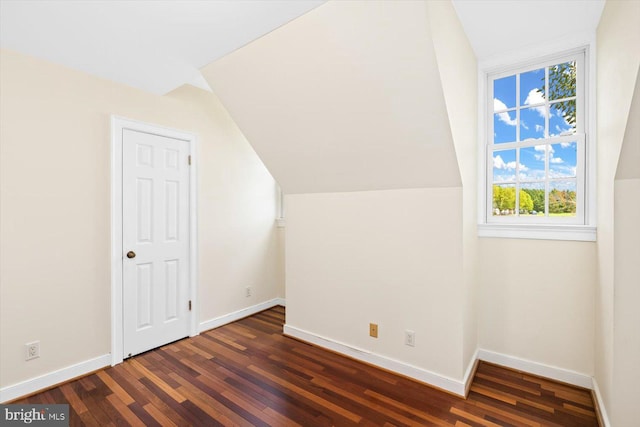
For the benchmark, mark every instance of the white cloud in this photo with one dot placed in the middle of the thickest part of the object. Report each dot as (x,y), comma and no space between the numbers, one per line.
(534,174)
(539,128)
(536,97)
(566,144)
(548,148)
(505,178)
(512,165)
(562,171)
(498,163)
(563,131)
(542,149)
(498,105)
(504,116)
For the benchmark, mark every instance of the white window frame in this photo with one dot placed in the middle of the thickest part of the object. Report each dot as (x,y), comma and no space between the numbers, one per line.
(280,220)
(583,226)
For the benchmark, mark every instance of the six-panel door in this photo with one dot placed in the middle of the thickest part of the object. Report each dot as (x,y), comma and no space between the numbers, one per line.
(155,240)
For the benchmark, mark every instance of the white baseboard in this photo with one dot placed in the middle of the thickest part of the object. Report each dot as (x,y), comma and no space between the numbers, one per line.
(600,404)
(448,384)
(460,388)
(240,314)
(469,373)
(50,379)
(536,368)
(45,381)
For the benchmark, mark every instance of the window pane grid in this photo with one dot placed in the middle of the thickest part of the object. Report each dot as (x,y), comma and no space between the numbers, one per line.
(533,145)
(535,113)
(546,102)
(535,142)
(516,193)
(536,145)
(518,118)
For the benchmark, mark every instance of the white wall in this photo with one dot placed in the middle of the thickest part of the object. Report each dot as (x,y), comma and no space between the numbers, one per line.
(54,210)
(618,59)
(457,66)
(624,407)
(499,309)
(388,257)
(346,106)
(344,98)
(537,297)
(403,258)
(626,317)
(239,244)
(537,301)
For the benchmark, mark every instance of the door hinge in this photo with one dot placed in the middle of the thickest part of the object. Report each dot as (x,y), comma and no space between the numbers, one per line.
(189,305)
(189,159)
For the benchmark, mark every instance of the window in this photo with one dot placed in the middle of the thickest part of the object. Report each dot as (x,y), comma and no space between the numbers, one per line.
(280,220)
(536,147)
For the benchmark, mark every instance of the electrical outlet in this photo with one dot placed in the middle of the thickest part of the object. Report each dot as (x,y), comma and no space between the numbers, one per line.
(373,330)
(410,338)
(247,291)
(32,350)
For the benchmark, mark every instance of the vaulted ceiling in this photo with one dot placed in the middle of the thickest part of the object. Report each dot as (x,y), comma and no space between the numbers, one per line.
(334,96)
(152,45)
(495,27)
(345,98)
(160,45)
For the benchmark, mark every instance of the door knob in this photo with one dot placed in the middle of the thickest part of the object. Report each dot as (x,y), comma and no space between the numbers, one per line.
(131,254)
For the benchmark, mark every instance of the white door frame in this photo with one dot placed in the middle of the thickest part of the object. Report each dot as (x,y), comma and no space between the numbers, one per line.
(118,125)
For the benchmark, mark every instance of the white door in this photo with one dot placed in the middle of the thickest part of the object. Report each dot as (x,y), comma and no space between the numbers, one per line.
(155,237)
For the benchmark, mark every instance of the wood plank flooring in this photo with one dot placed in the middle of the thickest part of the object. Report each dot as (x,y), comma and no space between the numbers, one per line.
(248,374)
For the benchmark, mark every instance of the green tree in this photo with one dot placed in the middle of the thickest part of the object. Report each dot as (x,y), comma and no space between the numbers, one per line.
(537,196)
(504,197)
(526,202)
(562,201)
(562,84)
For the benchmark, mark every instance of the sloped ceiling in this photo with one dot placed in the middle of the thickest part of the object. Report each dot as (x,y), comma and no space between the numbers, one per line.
(156,46)
(496,27)
(629,161)
(345,98)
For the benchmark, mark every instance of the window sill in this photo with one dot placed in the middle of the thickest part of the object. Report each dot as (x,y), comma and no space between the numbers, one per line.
(581,233)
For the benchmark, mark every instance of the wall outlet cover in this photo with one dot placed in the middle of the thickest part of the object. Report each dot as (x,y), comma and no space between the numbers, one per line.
(373,330)
(32,350)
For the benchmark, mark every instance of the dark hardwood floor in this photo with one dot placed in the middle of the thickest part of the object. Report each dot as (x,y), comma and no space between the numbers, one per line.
(247,373)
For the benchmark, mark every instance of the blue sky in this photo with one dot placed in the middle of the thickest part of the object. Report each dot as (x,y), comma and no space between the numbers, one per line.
(562,159)
(532,109)
(541,165)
